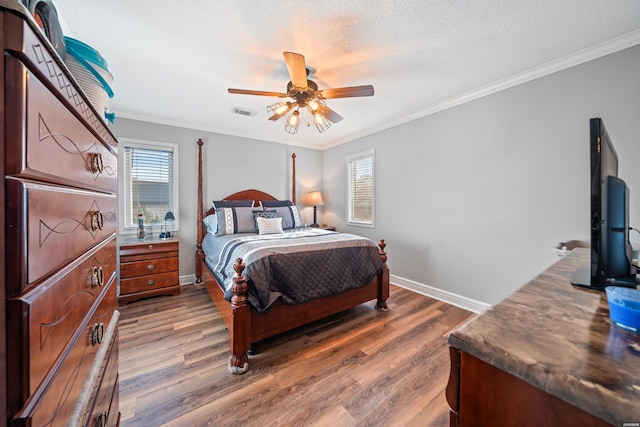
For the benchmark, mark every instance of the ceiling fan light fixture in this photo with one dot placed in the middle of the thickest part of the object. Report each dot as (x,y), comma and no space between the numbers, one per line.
(279,109)
(321,122)
(313,105)
(293,122)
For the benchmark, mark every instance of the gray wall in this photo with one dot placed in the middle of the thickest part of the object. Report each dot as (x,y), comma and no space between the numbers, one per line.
(230,164)
(471,200)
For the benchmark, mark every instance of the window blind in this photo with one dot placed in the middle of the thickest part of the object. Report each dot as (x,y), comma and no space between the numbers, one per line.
(148,184)
(360,191)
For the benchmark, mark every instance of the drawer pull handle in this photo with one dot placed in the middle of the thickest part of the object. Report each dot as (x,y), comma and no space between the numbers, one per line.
(101,419)
(97,277)
(151,282)
(97,165)
(97,220)
(98,334)
(151,267)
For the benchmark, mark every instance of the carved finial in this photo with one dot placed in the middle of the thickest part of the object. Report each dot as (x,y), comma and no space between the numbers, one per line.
(239,285)
(200,142)
(383,254)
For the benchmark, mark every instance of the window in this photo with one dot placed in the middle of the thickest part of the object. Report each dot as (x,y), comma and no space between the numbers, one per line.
(149,183)
(360,189)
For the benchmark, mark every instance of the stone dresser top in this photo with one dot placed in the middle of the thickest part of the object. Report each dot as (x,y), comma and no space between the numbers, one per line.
(560,339)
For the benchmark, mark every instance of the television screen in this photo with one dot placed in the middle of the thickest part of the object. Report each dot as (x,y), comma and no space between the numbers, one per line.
(611,252)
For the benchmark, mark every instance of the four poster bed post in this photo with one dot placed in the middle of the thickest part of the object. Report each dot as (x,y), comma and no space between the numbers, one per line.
(245,324)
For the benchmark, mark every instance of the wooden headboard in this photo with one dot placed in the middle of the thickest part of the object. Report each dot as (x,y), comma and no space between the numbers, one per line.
(255,195)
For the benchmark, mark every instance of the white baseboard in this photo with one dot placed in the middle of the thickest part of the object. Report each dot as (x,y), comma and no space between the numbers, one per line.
(189,279)
(439,294)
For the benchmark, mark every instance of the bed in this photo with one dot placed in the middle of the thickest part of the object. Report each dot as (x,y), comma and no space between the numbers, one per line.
(252,313)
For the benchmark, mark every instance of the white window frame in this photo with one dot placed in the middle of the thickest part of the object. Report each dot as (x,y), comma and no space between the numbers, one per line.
(149,145)
(351,159)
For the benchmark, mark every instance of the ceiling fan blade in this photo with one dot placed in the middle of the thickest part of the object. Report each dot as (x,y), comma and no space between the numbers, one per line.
(297,70)
(346,92)
(257,92)
(329,114)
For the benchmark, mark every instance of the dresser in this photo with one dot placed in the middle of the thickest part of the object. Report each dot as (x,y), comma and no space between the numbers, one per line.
(548,355)
(148,268)
(59,343)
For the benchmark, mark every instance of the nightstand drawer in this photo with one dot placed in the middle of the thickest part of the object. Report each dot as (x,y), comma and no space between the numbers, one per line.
(146,267)
(156,248)
(145,283)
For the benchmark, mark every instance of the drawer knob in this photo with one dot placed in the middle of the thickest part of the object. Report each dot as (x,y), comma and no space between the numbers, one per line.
(97,165)
(101,419)
(97,276)
(98,334)
(97,220)
(151,282)
(151,267)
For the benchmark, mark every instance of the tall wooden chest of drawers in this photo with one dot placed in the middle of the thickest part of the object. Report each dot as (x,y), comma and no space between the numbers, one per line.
(59,322)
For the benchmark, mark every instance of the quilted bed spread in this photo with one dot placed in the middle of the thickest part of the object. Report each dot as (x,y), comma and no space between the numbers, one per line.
(294,267)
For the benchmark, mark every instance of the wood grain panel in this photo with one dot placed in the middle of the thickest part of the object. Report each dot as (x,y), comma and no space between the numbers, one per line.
(47,141)
(53,403)
(146,283)
(359,367)
(51,313)
(60,226)
(151,266)
(24,43)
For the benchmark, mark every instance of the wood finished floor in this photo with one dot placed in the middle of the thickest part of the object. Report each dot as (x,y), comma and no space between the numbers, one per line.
(357,368)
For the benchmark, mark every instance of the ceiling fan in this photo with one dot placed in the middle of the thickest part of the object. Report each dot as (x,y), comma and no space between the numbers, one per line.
(304,93)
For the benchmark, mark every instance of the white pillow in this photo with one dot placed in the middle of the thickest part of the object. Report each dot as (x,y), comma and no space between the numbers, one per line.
(269,225)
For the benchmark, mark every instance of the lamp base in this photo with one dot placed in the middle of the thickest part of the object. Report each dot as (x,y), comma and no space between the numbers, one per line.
(315,225)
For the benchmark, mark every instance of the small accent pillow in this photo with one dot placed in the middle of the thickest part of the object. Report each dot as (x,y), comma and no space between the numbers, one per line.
(236,220)
(211,222)
(232,204)
(290,216)
(263,214)
(275,203)
(269,225)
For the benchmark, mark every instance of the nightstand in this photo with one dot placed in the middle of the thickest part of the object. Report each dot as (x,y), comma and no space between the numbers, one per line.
(148,268)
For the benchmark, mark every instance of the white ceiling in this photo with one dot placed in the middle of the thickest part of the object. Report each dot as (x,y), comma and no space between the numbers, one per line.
(172,61)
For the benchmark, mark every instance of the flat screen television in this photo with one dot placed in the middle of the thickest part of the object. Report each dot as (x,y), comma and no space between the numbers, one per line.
(611,251)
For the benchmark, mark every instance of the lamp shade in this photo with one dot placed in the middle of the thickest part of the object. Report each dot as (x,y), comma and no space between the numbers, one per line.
(169,216)
(314,198)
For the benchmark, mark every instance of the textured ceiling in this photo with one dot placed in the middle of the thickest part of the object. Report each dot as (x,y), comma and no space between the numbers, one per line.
(172,61)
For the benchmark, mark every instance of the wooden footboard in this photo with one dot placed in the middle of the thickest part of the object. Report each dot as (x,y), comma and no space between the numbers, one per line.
(247,326)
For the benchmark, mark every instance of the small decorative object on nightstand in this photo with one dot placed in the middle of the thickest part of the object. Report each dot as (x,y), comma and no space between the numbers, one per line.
(166,233)
(148,269)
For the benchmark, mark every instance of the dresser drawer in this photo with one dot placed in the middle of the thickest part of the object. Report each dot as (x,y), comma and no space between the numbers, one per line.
(25,43)
(150,282)
(51,313)
(105,392)
(60,225)
(148,249)
(45,140)
(151,266)
(56,399)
